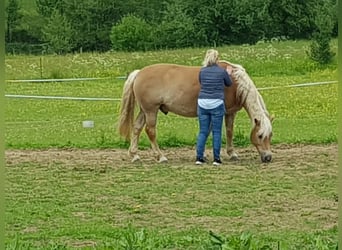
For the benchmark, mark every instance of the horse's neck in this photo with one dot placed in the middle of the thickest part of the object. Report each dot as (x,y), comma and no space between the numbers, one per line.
(254,105)
(249,96)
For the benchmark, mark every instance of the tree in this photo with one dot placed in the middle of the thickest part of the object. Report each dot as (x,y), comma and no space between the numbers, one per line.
(172,23)
(13,18)
(176,29)
(293,18)
(91,20)
(243,21)
(47,7)
(320,46)
(30,28)
(58,33)
(149,10)
(130,34)
(204,17)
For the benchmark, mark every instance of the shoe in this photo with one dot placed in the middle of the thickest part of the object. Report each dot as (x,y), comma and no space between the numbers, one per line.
(199,161)
(217,162)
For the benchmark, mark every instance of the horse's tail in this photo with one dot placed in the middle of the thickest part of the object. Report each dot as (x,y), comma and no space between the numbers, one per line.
(127,107)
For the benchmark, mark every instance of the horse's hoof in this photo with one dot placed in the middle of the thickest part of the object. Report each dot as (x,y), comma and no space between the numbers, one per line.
(234,157)
(162,159)
(136,158)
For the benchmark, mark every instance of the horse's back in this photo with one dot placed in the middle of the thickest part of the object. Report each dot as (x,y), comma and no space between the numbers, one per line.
(173,87)
(164,71)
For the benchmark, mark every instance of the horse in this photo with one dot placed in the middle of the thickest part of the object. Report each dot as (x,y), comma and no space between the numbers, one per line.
(175,88)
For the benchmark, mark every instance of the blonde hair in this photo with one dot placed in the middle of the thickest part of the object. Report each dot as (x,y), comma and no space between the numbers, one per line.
(211,57)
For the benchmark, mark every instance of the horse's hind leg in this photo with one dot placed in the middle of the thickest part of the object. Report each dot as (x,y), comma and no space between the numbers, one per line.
(229,120)
(138,126)
(151,122)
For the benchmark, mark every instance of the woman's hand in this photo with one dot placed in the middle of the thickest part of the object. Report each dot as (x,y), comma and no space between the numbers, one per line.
(229,69)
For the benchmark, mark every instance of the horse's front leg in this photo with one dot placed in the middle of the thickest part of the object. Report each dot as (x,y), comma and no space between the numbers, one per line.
(151,122)
(138,126)
(229,120)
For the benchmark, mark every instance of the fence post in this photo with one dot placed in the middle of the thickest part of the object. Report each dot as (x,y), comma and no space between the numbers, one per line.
(41,67)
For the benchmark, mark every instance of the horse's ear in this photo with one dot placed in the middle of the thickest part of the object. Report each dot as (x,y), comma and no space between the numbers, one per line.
(257,122)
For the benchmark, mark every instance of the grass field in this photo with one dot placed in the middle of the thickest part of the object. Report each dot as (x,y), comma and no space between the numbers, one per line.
(306,114)
(73,188)
(96,199)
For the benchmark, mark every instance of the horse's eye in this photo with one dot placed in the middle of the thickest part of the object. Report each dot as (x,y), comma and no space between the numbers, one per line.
(260,137)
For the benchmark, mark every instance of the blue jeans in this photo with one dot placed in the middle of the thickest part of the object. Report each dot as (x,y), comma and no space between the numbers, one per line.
(210,119)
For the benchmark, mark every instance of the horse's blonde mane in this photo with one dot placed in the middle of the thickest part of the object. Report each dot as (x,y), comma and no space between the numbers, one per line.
(249,97)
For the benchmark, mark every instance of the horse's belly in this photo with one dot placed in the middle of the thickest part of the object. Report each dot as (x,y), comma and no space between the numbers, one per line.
(183,110)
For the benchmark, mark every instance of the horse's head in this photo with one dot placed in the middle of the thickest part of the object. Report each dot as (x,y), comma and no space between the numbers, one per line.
(261,136)
(248,96)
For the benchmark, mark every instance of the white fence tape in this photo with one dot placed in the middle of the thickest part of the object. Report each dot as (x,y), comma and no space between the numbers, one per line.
(65,79)
(299,85)
(119,99)
(65,98)
(26,125)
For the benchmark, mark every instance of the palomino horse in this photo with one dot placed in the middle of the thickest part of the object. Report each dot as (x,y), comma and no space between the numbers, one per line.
(174,88)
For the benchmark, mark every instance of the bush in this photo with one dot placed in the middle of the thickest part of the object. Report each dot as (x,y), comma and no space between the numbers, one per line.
(58,33)
(25,48)
(176,29)
(130,34)
(320,49)
(320,46)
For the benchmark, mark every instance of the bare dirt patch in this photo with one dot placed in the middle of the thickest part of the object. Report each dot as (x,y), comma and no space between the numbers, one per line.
(283,155)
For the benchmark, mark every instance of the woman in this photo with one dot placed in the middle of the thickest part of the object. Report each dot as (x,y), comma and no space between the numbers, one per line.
(211,108)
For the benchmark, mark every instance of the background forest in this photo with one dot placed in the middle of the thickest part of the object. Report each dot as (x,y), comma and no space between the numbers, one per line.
(62,26)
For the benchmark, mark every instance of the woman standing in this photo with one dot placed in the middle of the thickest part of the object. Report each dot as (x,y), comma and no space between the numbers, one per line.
(211,108)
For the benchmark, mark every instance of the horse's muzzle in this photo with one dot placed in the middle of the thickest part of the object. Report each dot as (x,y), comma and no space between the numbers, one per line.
(266,157)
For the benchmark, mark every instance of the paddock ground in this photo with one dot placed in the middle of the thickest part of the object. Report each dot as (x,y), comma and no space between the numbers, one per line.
(283,156)
(296,191)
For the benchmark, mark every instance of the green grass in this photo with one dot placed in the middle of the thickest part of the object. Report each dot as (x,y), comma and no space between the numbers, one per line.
(306,114)
(263,60)
(52,204)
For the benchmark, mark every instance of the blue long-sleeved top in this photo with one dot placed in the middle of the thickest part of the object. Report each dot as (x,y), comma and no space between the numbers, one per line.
(213,79)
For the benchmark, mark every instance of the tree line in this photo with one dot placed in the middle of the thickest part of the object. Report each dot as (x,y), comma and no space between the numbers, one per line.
(62,26)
